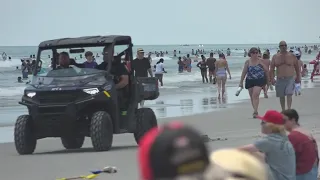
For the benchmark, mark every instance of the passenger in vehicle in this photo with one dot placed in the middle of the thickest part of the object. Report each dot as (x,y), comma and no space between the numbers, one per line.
(90,63)
(118,69)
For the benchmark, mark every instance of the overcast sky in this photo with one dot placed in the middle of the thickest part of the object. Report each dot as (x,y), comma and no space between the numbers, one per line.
(27,22)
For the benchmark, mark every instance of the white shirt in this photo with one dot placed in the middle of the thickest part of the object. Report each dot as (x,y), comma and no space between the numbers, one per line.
(159,68)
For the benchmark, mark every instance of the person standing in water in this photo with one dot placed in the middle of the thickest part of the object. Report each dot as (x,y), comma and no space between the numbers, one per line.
(159,71)
(149,57)
(245,53)
(211,65)
(266,61)
(288,72)
(24,69)
(188,63)
(221,74)
(257,75)
(203,68)
(180,65)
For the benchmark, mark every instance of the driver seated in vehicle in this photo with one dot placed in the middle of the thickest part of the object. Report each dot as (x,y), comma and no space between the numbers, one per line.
(64,60)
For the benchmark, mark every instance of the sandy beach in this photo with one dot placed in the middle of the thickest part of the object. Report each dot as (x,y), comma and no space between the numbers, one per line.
(235,123)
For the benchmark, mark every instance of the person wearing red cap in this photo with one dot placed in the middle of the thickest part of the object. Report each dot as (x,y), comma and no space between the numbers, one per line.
(172,151)
(276,149)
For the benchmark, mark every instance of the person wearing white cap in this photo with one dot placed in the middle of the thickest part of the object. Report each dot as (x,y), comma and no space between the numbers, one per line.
(297,90)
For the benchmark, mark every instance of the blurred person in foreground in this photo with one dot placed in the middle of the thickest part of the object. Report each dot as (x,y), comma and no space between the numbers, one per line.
(275,148)
(234,164)
(305,146)
(172,151)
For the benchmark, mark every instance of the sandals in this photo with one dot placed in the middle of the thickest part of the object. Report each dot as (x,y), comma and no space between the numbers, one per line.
(255,114)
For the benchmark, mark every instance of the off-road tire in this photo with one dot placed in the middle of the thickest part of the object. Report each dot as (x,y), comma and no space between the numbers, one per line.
(146,120)
(72,142)
(101,131)
(24,138)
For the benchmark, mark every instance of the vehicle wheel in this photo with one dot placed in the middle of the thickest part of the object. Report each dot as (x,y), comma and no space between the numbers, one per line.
(101,131)
(24,139)
(72,142)
(146,120)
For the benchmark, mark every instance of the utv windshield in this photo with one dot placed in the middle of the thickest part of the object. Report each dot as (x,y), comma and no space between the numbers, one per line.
(72,76)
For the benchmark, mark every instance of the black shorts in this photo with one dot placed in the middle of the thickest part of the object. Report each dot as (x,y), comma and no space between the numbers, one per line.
(211,70)
(250,83)
(159,76)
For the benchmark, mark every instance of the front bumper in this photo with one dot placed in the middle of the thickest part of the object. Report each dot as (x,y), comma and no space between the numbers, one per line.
(52,119)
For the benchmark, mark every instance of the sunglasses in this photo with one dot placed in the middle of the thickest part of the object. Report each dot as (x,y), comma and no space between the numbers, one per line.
(254,52)
(283,45)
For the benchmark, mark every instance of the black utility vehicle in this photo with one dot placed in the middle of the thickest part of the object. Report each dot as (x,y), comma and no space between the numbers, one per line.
(76,102)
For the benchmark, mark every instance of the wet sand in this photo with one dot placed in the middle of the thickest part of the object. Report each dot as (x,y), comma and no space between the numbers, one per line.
(51,161)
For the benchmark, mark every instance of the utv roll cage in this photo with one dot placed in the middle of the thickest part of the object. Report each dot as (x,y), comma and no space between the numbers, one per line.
(108,42)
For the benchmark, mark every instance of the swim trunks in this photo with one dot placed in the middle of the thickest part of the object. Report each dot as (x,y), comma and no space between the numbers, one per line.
(211,69)
(285,86)
(159,76)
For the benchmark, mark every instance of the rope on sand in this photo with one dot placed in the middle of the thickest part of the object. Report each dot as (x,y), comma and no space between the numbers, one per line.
(94,174)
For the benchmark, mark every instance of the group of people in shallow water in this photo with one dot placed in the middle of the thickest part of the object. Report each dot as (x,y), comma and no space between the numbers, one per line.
(184,63)
(217,71)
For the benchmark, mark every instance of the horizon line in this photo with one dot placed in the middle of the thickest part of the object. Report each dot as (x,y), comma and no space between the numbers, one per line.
(179,44)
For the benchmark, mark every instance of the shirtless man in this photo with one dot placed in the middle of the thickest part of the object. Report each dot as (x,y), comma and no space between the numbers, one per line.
(211,64)
(288,73)
(266,61)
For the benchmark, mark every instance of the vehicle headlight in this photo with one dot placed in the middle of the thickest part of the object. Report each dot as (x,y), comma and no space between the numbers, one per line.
(91,91)
(30,94)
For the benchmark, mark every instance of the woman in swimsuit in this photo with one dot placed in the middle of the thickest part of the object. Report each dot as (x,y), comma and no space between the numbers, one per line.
(221,73)
(257,75)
